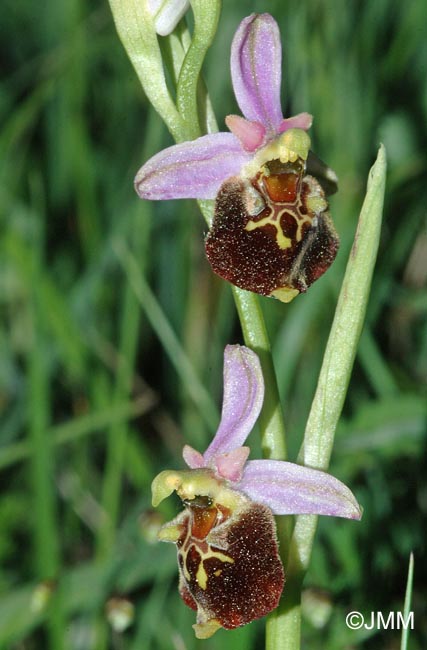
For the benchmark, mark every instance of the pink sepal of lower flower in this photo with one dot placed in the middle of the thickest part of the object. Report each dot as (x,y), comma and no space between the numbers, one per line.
(286,488)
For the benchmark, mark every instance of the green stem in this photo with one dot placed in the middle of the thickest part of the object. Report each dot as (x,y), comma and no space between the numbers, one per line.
(206,16)
(283,630)
(256,337)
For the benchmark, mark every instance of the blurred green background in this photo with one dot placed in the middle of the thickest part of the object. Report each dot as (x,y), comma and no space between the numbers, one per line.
(113,326)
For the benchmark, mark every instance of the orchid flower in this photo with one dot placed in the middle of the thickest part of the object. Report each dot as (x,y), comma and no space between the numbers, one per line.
(230,570)
(271,231)
(167,14)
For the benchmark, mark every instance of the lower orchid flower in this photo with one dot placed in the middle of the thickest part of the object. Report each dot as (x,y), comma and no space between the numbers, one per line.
(271,232)
(229,564)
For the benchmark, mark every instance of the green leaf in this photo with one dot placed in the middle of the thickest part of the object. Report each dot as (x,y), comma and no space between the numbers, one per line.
(341,347)
(347,326)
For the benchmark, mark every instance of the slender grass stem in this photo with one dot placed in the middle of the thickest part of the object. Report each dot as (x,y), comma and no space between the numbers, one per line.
(118,431)
(76,428)
(169,340)
(407,604)
(128,345)
(117,438)
(46,538)
(117,434)
(44,515)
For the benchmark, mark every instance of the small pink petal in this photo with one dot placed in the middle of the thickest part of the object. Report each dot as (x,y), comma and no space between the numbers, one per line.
(193,458)
(250,134)
(300,121)
(231,464)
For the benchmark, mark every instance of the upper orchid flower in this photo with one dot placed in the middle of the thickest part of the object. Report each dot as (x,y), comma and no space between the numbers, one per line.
(230,570)
(271,232)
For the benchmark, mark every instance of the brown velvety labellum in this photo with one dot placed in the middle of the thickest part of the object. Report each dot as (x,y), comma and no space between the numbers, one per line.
(272,233)
(231,573)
